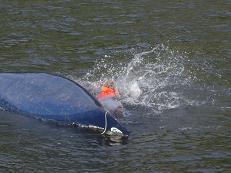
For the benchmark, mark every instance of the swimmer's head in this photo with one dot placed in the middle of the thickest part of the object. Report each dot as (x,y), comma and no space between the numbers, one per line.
(110,83)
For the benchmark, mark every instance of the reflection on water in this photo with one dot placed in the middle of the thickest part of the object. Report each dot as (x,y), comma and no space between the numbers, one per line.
(170,61)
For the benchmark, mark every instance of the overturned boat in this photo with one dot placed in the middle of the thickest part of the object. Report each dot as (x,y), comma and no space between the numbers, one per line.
(51,97)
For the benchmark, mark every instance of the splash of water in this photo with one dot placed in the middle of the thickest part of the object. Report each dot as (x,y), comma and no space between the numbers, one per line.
(155,78)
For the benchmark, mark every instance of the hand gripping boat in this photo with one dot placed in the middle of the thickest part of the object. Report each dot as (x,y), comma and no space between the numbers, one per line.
(50,97)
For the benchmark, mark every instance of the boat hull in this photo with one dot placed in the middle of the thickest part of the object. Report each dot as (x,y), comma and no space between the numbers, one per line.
(51,97)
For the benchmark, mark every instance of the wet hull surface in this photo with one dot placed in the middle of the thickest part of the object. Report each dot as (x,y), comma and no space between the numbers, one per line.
(50,97)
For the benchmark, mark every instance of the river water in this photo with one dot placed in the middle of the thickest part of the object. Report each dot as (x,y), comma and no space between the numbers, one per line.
(170,61)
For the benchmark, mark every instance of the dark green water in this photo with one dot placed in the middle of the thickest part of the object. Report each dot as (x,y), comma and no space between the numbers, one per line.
(176,52)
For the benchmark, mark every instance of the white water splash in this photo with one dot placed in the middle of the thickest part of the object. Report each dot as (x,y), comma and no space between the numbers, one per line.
(154,78)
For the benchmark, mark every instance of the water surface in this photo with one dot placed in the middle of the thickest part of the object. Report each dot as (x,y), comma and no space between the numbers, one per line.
(170,60)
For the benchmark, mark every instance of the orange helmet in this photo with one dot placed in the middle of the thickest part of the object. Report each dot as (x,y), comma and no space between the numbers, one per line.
(108,90)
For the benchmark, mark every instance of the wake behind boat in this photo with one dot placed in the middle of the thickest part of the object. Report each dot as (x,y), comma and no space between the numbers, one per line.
(51,97)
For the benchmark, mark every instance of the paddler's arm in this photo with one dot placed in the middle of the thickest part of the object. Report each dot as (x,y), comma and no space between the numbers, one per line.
(117,94)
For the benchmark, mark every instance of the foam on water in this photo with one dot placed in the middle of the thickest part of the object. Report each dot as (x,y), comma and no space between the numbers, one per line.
(155,78)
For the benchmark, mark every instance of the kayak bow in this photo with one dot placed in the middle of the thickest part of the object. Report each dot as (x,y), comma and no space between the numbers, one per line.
(51,97)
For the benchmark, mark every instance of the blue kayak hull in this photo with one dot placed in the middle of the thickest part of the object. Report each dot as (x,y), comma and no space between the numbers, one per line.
(51,97)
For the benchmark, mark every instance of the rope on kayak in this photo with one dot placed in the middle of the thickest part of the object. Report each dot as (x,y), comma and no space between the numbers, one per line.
(105,126)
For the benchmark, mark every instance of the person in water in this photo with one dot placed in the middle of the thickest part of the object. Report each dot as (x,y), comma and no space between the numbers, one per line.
(107,97)
(108,90)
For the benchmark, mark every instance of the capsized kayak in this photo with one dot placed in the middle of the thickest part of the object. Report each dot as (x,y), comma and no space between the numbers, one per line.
(51,97)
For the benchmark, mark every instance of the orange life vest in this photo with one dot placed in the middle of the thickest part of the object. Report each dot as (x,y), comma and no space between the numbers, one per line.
(107,92)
